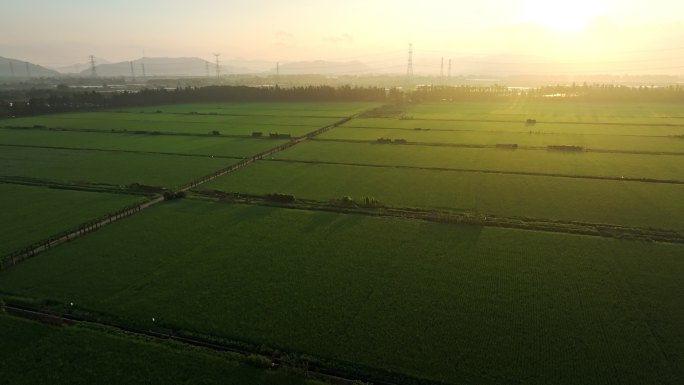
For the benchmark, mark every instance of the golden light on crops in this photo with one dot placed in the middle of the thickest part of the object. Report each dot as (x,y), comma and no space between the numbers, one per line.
(562,15)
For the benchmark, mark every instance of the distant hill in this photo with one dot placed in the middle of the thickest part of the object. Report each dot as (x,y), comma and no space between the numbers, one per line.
(79,67)
(21,69)
(321,67)
(160,66)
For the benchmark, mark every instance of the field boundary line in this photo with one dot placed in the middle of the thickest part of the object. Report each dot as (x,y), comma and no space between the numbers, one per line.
(95,188)
(550,122)
(605,230)
(143,132)
(529,132)
(122,151)
(469,170)
(493,146)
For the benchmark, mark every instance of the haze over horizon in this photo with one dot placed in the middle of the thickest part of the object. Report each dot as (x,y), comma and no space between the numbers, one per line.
(602,36)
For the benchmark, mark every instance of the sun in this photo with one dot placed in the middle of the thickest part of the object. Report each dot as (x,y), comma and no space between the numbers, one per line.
(563,15)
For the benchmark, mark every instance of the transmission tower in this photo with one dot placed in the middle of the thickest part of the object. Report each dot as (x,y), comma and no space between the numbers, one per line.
(132,72)
(218,68)
(449,76)
(11,67)
(409,67)
(92,66)
(144,75)
(441,69)
(28,70)
(277,74)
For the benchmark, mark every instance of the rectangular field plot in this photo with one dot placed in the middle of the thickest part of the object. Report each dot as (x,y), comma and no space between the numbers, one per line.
(218,146)
(590,137)
(31,352)
(459,304)
(553,111)
(84,166)
(663,167)
(174,123)
(304,109)
(596,201)
(31,214)
(492,126)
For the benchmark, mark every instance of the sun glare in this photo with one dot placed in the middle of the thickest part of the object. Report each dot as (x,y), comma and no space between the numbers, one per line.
(563,15)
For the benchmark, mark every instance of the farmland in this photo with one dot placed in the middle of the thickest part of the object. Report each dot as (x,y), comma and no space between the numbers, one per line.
(281,256)
(637,166)
(631,139)
(113,168)
(584,200)
(36,213)
(238,119)
(168,144)
(557,308)
(32,353)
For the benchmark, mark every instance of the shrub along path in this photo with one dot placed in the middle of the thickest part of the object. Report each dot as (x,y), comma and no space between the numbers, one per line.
(87,228)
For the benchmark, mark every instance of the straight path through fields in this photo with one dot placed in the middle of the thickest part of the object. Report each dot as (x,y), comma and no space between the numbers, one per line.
(48,244)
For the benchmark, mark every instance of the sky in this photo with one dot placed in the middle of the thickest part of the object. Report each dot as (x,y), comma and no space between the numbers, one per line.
(588,34)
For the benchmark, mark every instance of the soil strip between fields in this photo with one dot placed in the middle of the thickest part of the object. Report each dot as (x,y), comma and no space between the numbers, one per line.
(122,151)
(540,122)
(468,218)
(469,170)
(494,146)
(97,188)
(528,132)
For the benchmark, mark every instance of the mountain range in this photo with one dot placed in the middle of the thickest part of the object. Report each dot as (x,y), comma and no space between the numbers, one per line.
(494,65)
(13,68)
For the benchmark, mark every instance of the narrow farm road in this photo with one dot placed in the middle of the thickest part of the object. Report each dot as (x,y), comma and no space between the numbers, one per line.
(17,257)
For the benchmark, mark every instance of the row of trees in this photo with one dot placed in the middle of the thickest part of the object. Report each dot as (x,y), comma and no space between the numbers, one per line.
(37,102)
(584,92)
(42,101)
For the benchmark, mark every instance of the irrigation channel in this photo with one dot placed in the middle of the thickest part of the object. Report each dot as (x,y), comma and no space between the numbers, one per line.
(17,257)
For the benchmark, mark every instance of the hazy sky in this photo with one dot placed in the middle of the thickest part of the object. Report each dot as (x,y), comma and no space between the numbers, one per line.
(65,32)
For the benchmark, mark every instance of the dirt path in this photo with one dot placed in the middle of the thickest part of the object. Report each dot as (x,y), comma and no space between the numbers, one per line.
(33,250)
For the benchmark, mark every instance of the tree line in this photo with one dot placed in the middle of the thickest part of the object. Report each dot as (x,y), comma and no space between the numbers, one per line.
(64,99)
(37,102)
(584,92)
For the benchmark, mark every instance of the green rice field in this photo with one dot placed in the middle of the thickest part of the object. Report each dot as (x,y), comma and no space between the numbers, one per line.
(32,353)
(36,213)
(172,144)
(429,300)
(396,298)
(638,166)
(114,168)
(584,200)
(658,141)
